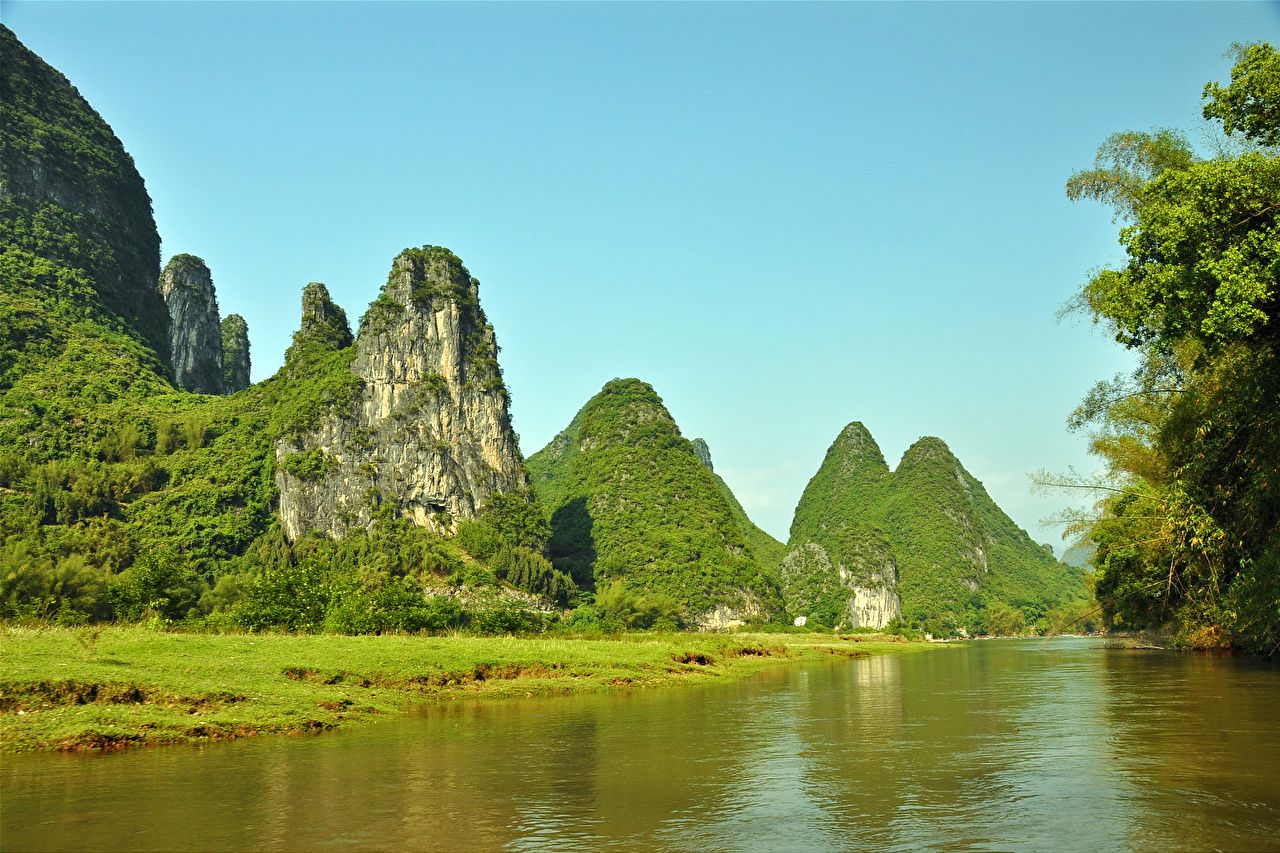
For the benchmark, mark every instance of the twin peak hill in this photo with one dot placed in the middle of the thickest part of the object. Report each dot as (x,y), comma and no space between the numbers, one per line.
(924,543)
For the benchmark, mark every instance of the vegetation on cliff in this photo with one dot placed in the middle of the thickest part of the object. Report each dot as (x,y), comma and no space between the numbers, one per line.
(76,230)
(1188,529)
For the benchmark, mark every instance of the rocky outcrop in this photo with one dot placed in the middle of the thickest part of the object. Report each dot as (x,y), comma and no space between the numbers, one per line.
(195,334)
(857,590)
(324,323)
(428,433)
(703,452)
(726,617)
(235,354)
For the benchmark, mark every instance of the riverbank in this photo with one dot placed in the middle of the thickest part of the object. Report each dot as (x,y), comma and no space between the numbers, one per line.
(120,686)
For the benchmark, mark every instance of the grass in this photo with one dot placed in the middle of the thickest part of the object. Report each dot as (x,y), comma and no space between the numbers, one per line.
(113,687)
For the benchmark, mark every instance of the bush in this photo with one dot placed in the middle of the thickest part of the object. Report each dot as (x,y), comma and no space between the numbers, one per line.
(507,616)
(1004,621)
(478,538)
(292,597)
(159,583)
(633,611)
(517,520)
(374,602)
(66,589)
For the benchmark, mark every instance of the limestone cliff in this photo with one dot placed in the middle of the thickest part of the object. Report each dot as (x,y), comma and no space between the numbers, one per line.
(235,354)
(428,432)
(862,593)
(195,334)
(71,195)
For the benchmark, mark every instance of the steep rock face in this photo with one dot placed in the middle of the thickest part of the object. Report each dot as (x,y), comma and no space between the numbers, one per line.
(195,334)
(235,354)
(428,432)
(860,595)
(70,194)
(633,502)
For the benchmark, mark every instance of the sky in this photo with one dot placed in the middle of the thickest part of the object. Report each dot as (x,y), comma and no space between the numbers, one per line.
(785,217)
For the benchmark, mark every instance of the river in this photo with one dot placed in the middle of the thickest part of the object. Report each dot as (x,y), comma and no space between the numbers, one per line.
(1024,744)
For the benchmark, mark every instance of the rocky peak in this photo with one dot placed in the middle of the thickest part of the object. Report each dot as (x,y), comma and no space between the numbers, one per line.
(323,320)
(235,354)
(429,431)
(703,453)
(195,335)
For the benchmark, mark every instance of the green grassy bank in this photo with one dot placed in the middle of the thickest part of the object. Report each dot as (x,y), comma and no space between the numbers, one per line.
(119,686)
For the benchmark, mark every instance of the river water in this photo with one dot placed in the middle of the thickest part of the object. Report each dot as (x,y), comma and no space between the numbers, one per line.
(1026,744)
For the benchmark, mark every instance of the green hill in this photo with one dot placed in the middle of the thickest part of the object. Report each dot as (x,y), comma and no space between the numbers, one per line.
(631,501)
(959,557)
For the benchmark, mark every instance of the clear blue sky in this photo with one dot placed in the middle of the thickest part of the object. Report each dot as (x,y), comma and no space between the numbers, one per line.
(785,217)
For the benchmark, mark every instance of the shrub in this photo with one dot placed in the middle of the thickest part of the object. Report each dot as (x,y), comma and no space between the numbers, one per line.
(160,583)
(292,597)
(478,538)
(533,573)
(506,616)
(66,589)
(617,603)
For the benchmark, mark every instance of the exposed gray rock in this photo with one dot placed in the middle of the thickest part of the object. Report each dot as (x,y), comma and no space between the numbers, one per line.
(195,335)
(725,617)
(235,354)
(704,453)
(429,432)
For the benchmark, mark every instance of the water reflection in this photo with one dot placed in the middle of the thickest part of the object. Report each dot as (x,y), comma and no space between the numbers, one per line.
(999,745)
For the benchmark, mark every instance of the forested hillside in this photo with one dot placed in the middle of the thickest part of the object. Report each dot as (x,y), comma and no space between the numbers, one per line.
(960,561)
(631,502)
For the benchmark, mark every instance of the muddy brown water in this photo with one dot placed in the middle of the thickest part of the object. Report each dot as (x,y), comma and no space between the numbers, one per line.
(1024,745)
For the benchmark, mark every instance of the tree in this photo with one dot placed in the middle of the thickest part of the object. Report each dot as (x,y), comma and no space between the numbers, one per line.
(1187,529)
(1251,104)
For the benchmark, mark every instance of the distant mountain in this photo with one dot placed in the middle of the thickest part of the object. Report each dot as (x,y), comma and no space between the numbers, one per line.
(840,571)
(956,552)
(1080,555)
(632,500)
